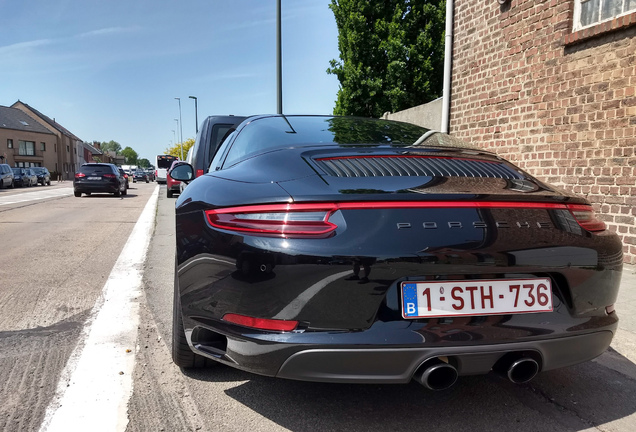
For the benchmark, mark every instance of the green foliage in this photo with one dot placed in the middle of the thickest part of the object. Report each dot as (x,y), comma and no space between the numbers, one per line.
(176,149)
(391,54)
(111,146)
(144,163)
(130,155)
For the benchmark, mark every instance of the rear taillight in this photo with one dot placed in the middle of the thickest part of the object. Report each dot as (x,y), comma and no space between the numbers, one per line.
(79,175)
(585,216)
(109,176)
(277,220)
(261,323)
(199,173)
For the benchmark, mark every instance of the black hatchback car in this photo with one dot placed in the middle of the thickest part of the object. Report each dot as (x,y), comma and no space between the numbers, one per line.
(99,177)
(44,176)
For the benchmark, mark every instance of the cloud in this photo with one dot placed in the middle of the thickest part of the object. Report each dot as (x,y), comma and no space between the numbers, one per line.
(21,47)
(107,31)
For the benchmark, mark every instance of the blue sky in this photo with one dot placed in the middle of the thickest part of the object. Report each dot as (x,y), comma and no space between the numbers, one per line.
(110,70)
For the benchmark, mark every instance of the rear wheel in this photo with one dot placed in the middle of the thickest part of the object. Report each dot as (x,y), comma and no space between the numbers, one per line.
(182,355)
(118,193)
(87,193)
(78,194)
(169,192)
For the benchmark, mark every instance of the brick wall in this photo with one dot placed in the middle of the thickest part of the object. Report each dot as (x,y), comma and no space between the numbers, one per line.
(558,104)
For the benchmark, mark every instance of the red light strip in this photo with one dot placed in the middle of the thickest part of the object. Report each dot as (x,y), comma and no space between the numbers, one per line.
(260,323)
(300,207)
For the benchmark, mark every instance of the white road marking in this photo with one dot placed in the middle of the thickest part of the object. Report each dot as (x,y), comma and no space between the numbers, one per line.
(34,196)
(96,383)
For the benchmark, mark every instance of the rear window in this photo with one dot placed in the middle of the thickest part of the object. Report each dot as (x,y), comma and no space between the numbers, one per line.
(96,169)
(286,131)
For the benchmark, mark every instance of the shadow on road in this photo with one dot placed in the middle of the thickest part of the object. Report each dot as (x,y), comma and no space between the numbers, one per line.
(569,399)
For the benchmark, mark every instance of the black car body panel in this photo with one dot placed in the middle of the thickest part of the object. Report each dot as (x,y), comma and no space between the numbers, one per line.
(457,214)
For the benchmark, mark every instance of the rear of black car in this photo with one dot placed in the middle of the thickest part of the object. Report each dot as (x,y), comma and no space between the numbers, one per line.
(375,263)
(99,177)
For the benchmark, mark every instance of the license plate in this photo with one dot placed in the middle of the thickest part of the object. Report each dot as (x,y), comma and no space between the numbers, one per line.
(475,297)
(94,178)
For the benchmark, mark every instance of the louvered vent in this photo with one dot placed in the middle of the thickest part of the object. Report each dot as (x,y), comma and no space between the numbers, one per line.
(402,166)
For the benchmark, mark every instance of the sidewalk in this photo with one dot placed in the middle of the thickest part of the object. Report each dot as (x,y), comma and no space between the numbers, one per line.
(622,354)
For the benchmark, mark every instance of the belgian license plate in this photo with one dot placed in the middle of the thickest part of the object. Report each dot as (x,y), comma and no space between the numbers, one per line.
(475,297)
(94,178)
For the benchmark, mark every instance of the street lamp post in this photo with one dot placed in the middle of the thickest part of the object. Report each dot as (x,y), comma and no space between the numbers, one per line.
(196,113)
(177,120)
(180,127)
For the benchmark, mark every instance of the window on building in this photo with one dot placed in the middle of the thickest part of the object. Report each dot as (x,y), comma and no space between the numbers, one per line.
(68,149)
(9,143)
(43,146)
(590,12)
(55,150)
(27,148)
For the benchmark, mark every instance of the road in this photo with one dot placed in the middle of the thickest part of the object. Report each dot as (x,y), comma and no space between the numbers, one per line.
(57,254)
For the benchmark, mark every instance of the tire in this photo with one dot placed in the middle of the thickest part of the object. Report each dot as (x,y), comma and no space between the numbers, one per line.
(169,193)
(77,194)
(124,192)
(118,193)
(48,183)
(182,355)
(146,180)
(12,185)
(87,193)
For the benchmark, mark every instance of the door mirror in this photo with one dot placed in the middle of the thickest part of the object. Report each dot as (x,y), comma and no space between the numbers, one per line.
(183,172)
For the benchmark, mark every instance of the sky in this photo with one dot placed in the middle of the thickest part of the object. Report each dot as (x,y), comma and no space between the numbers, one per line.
(111,70)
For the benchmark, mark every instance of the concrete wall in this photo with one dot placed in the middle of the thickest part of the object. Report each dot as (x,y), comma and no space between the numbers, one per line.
(428,115)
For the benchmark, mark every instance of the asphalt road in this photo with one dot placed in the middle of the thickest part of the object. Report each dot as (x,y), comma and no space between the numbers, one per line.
(58,252)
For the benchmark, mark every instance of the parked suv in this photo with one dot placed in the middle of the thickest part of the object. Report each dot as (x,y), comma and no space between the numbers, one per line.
(213,132)
(99,177)
(6,176)
(44,176)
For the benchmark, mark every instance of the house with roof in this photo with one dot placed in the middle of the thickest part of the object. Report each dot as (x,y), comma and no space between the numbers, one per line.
(24,142)
(69,148)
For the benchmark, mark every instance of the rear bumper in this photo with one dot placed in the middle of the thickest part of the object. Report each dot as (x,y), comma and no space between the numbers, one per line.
(399,365)
(310,357)
(87,187)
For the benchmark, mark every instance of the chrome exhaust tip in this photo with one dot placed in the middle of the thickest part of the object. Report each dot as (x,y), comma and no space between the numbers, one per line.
(438,375)
(522,370)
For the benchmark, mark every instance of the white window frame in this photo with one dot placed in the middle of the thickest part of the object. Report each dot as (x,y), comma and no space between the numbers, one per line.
(26,148)
(576,22)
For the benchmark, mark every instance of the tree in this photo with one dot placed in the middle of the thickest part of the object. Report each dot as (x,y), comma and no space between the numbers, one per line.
(391,54)
(144,163)
(111,146)
(130,155)
(176,149)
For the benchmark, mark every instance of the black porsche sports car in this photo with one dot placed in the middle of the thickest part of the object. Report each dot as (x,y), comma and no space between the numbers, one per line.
(356,250)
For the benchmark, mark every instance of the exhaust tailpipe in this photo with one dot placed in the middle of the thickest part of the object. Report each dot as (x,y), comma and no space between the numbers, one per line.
(522,370)
(436,375)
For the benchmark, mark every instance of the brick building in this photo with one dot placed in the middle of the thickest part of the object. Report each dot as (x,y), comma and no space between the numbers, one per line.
(550,85)
(24,142)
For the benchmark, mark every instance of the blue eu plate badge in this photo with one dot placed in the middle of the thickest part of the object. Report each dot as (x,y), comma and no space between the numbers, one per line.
(409,296)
